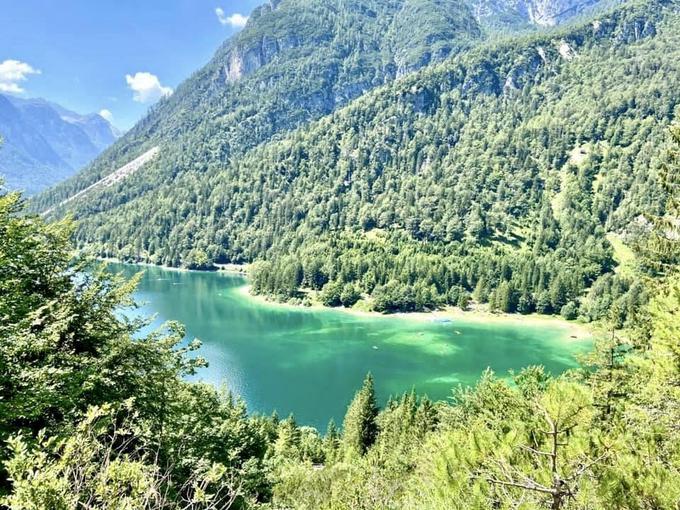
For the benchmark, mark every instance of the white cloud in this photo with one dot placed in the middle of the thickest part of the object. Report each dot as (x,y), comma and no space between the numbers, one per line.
(146,87)
(12,73)
(236,20)
(106,114)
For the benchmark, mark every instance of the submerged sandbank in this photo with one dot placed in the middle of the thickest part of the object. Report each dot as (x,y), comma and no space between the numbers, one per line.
(573,330)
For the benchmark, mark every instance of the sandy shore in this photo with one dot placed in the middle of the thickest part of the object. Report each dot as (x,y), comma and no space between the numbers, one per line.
(572,330)
(241,269)
(233,268)
(114,260)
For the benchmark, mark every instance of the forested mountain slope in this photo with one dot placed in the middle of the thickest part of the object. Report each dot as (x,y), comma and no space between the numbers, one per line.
(97,411)
(296,60)
(500,172)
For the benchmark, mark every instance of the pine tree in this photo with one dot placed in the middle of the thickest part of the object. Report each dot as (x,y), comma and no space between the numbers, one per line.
(288,441)
(506,299)
(359,428)
(481,293)
(558,293)
(660,252)
(331,441)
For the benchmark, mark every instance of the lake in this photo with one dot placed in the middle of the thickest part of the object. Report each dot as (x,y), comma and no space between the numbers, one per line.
(311,361)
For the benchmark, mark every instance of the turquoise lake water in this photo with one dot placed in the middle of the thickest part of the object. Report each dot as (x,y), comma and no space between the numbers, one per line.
(310,362)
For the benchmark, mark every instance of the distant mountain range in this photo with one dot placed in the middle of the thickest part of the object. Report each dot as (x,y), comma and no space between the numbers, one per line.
(44,143)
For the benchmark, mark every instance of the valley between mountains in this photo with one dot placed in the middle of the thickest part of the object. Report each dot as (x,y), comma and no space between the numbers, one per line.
(374,255)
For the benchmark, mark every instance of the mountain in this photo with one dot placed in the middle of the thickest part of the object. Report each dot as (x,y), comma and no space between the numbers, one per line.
(533,169)
(44,143)
(295,61)
(501,173)
(529,14)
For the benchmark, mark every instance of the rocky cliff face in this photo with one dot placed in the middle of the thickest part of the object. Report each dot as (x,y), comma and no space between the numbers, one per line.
(553,12)
(544,57)
(528,13)
(414,33)
(244,60)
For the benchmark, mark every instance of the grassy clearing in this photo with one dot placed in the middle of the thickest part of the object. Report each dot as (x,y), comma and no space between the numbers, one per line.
(623,254)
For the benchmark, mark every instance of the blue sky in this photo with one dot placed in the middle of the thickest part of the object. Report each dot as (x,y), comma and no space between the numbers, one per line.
(113,55)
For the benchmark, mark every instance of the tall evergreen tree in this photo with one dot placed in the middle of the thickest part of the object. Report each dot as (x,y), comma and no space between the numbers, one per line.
(360,428)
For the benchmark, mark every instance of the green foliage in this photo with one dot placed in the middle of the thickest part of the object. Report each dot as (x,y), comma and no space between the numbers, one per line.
(509,163)
(437,187)
(91,412)
(359,430)
(330,294)
(101,463)
(506,299)
(89,468)
(349,295)
(602,437)
(569,311)
(659,249)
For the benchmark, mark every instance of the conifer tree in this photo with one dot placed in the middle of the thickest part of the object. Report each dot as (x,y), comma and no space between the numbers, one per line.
(288,441)
(359,428)
(660,251)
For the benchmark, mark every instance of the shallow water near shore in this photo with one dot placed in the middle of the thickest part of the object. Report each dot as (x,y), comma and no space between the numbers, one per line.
(310,362)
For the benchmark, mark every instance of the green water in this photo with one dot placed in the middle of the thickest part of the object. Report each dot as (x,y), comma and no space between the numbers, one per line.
(310,362)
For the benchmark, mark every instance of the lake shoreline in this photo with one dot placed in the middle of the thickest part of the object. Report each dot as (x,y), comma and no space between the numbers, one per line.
(290,357)
(575,331)
(241,269)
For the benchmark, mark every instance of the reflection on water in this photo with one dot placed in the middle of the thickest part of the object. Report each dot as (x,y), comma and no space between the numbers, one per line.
(310,362)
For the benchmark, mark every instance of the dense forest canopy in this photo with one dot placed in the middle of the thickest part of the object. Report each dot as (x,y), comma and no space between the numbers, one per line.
(505,175)
(93,415)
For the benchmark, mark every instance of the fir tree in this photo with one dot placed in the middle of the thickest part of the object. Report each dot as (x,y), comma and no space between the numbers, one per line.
(359,428)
